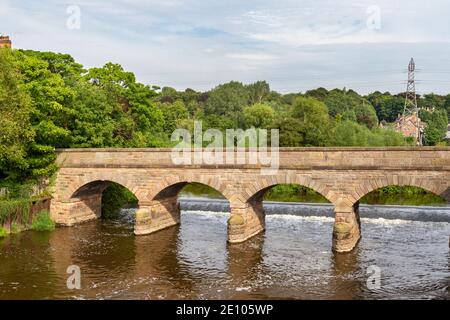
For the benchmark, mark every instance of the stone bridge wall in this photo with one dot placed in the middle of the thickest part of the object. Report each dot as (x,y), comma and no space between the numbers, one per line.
(342,175)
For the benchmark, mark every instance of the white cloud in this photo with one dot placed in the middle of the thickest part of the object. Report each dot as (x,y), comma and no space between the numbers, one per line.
(251,56)
(295,45)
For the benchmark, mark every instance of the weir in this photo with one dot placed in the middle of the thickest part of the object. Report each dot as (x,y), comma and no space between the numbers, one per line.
(342,175)
(304,209)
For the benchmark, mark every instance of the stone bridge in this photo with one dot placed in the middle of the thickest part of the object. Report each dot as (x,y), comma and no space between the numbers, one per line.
(341,175)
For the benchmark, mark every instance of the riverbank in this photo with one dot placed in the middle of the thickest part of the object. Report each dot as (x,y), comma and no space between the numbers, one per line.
(17,215)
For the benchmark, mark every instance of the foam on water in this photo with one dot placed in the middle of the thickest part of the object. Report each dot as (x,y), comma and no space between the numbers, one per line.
(404,213)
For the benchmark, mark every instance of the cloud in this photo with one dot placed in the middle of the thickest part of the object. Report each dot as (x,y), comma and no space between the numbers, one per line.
(295,45)
(251,56)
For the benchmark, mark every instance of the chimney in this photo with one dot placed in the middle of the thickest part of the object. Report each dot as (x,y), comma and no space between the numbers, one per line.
(5,42)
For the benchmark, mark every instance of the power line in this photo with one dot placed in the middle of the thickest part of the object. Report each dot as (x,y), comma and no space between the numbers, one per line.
(410,108)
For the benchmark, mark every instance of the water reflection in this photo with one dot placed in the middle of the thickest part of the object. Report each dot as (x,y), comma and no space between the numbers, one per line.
(291,260)
(159,272)
(244,264)
(348,279)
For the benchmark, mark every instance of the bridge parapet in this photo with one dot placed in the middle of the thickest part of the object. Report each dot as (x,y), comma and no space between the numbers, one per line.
(386,158)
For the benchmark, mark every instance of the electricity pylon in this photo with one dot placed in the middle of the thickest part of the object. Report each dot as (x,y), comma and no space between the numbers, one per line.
(411,107)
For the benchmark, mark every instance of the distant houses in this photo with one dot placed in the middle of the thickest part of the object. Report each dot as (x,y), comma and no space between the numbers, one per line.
(447,136)
(410,126)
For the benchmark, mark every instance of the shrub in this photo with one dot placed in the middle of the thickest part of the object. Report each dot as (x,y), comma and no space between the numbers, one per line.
(43,222)
(114,198)
(3,232)
(14,228)
(14,209)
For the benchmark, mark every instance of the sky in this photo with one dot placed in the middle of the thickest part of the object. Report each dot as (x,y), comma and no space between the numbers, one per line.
(294,45)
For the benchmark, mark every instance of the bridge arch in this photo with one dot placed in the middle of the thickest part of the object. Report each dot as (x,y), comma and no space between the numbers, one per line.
(82,182)
(259,186)
(174,184)
(163,208)
(247,212)
(82,200)
(437,186)
(347,226)
(94,186)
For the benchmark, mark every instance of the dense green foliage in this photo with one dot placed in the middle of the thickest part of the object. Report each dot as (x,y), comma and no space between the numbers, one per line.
(115,197)
(3,232)
(15,210)
(16,131)
(198,189)
(293,193)
(48,101)
(402,195)
(399,195)
(43,222)
(436,126)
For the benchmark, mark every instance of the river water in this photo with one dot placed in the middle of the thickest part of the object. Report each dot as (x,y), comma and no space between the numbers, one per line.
(292,259)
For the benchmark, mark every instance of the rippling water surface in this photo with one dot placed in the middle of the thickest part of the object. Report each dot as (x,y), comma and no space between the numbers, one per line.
(292,259)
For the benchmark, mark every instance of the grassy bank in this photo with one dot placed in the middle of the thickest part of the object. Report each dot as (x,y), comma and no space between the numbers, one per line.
(17,206)
(14,212)
(16,217)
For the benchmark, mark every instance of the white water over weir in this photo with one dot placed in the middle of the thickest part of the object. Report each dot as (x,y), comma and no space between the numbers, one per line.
(391,212)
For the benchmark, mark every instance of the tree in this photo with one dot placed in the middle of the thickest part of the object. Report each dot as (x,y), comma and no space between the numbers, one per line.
(169,95)
(432,100)
(51,100)
(227,100)
(59,63)
(258,91)
(316,122)
(173,113)
(436,127)
(92,124)
(366,115)
(308,124)
(51,112)
(258,116)
(387,107)
(347,103)
(349,133)
(135,117)
(447,106)
(319,93)
(16,130)
(291,132)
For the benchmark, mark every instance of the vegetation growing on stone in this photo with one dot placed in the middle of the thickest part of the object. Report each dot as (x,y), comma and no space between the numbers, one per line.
(3,232)
(43,222)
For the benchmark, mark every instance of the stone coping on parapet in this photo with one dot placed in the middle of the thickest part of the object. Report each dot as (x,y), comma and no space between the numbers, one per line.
(247,166)
(281,149)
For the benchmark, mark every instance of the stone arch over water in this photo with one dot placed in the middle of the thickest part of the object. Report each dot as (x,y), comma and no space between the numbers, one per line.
(83,202)
(163,210)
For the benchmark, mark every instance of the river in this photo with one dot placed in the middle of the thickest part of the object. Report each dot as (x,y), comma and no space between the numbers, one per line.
(292,259)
